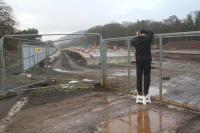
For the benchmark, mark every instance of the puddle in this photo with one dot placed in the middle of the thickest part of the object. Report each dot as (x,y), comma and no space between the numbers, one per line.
(169,84)
(121,73)
(141,122)
(174,107)
(154,91)
(87,80)
(73,82)
(98,109)
(60,70)
(110,77)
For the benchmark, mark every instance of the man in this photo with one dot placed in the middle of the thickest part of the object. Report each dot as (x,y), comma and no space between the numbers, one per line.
(142,44)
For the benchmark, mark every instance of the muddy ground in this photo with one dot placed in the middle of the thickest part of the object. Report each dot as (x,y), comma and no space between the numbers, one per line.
(90,109)
(6,105)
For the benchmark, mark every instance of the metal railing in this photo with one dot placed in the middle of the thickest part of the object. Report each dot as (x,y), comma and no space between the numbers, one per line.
(160,38)
(27,41)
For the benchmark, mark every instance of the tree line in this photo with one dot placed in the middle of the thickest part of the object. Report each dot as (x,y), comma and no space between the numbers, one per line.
(191,22)
(172,24)
(8,23)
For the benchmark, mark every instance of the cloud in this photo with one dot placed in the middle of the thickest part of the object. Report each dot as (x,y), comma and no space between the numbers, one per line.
(51,15)
(128,6)
(27,20)
(74,15)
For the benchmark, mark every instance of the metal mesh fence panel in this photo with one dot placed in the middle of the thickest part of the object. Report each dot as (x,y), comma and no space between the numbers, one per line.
(121,66)
(180,80)
(174,71)
(1,83)
(24,62)
(86,57)
(28,63)
(118,69)
(154,85)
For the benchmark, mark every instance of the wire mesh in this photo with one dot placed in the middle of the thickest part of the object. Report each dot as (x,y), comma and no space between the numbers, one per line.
(85,57)
(28,62)
(121,66)
(181,69)
(23,62)
(1,81)
(174,73)
(118,72)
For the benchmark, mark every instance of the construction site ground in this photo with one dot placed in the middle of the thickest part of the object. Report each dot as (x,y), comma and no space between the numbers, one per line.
(89,108)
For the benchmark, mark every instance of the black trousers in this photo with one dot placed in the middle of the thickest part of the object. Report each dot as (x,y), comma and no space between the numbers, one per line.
(143,69)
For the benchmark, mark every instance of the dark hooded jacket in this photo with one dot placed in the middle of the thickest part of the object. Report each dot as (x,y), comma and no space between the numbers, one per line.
(142,45)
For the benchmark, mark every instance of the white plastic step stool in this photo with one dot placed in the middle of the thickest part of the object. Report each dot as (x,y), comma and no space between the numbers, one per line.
(143,99)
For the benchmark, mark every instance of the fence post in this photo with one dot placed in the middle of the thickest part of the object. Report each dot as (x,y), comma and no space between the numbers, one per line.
(47,53)
(29,54)
(47,63)
(103,57)
(129,64)
(3,66)
(160,67)
(1,50)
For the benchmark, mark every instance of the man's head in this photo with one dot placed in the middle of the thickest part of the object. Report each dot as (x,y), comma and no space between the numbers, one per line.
(142,33)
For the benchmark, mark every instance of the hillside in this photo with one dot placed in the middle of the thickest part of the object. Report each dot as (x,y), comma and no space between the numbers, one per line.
(66,40)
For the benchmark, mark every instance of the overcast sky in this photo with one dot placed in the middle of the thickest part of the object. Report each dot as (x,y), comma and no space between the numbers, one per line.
(66,16)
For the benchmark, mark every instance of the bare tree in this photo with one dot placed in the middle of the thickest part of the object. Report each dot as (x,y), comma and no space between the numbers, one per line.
(188,23)
(197,20)
(7,21)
